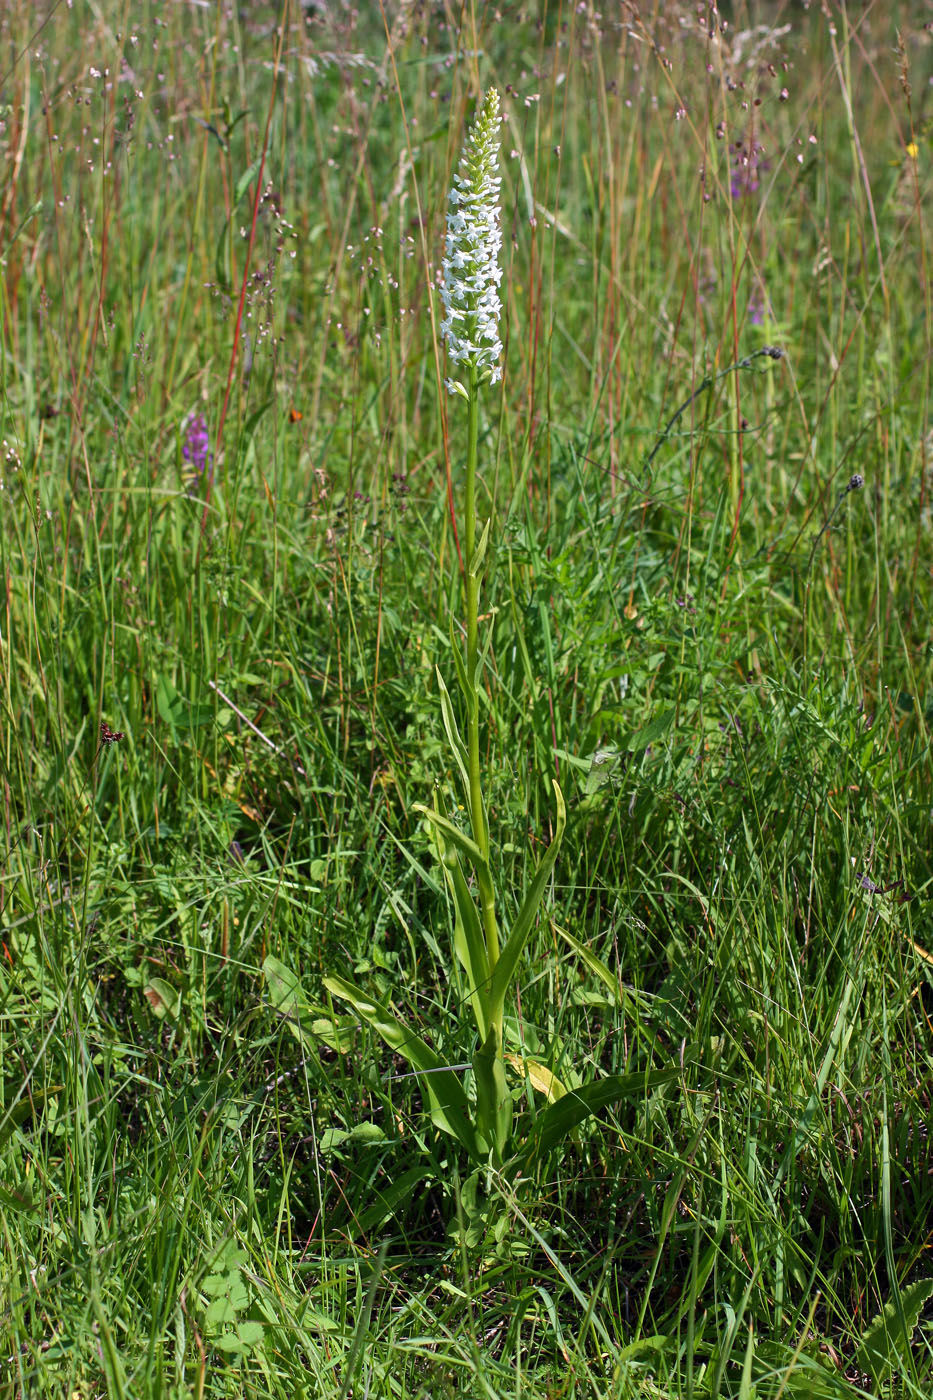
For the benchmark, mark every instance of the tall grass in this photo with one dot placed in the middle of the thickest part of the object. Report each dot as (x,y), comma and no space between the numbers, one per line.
(212,1181)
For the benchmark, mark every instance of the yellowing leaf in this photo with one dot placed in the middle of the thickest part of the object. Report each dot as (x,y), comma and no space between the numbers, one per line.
(539,1076)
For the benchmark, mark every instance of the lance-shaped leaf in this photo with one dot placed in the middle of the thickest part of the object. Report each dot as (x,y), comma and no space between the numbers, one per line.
(450,1110)
(463,843)
(626,998)
(504,970)
(493,1101)
(554,1124)
(458,748)
(469,943)
(479,553)
(459,666)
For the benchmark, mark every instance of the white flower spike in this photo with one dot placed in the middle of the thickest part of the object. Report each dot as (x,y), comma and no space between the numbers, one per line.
(470,292)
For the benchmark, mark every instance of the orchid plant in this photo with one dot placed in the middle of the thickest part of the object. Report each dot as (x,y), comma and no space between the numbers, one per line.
(477,1112)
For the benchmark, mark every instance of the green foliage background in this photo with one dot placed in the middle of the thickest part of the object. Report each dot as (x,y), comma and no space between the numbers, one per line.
(212,1181)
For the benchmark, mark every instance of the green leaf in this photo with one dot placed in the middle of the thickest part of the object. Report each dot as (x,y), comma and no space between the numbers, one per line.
(30,214)
(476,563)
(284,989)
(388,1198)
(337,1034)
(465,844)
(169,703)
(246,1336)
(366,1133)
(249,428)
(560,1119)
(649,733)
(220,1311)
(504,970)
(459,667)
(539,1077)
(222,258)
(450,1110)
(246,179)
(622,996)
(887,1338)
(605,764)
(458,748)
(111,1360)
(493,1101)
(289,1001)
(16,1198)
(162,997)
(14,1117)
(469,943)
(604,767)
(175,710)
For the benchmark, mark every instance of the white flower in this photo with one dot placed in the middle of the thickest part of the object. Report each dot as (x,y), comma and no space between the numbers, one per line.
(470,291)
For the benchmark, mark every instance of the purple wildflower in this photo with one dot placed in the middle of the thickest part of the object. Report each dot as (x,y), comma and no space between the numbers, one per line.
(748,164)
(756,307)
(196,449)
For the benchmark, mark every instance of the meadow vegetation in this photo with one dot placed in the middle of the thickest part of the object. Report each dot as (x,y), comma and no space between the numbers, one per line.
(232,546)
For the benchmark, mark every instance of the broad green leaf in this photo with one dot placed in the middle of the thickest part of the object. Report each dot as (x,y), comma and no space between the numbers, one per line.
(560,1119)
(595,964)
(287,996)
(30,214)
(337,1034)
(220,1311)
(887,1339)
(649,732)
(801,1376)
(746,1390)
(603,767)
(284,988)
(175,710)
(605,763)
(841,1030)
(450,1110)
(366,1133)
(247,1335)
(572,759)
(111,1360)
(170,705)
(504,970)
(162,997)
(249,428)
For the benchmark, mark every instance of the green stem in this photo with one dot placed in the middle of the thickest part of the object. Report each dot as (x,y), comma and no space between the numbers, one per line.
(477,808)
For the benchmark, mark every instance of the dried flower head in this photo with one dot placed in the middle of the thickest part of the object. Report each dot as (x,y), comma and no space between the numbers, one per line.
(470,291)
